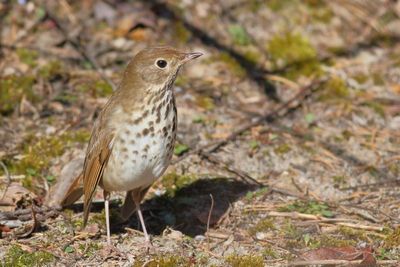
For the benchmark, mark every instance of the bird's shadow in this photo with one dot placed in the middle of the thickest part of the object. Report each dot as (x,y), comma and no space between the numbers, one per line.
(188,208)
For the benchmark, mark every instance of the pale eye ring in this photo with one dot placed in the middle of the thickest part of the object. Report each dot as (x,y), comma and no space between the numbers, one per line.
(161,63)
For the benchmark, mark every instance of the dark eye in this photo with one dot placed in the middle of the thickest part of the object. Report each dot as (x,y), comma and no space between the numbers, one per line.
(161,63)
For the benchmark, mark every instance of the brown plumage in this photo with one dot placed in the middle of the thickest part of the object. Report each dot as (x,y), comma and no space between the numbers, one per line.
(133,137)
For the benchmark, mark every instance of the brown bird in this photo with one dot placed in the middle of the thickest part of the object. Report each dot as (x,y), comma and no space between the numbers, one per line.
(133,137)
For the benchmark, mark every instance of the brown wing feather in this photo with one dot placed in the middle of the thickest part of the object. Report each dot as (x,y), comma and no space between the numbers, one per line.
(96,160)
(75,191)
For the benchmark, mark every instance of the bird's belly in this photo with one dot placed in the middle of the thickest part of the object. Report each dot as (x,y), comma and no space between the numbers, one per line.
(139,157)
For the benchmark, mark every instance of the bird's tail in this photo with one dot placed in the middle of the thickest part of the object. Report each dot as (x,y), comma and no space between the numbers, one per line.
(75,191)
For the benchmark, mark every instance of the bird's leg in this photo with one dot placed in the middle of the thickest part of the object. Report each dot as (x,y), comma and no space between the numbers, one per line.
(106,204)
(139,212)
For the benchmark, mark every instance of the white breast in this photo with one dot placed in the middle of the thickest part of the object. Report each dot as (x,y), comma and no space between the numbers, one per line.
(142,149)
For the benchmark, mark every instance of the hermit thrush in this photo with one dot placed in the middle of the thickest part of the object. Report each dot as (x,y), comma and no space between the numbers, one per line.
(133,137)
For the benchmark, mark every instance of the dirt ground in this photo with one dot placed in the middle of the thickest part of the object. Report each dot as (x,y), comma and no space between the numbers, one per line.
(288,149)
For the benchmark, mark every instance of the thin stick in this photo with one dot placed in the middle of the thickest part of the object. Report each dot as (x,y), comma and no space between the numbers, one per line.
(363,227)
(208,220)
(246,177)
(7,174)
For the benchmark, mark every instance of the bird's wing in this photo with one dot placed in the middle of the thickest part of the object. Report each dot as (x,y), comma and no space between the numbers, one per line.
(98,153)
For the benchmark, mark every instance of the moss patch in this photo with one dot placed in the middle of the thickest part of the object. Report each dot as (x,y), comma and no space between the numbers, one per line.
(38,152)
(309,207)
(294,54)
(97,88)
(180,32)
(205,102)
(12,89)
(239,35)
(27,56)
(16,257)
(244,261)
(393,239)
(165,261)
(334,89)
(52,70)
(264,225)
(173,182)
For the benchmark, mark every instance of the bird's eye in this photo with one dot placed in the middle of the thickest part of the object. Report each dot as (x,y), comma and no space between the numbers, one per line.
(161,63)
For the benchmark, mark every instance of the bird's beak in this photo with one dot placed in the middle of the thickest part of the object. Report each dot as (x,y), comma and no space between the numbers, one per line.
(189,56)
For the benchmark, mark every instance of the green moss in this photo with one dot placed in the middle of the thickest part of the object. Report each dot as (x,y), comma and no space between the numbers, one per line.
(361,78)
(319,11)
(353,234)
(181,34)
(339,181)
(309,207)
(282,149)
(264,225)
(334,89)
(238,35)
(173,181)
(164,261)
(27,56)
(378,79)
(376,107)
(181,81)
(244,261)
(233,65)
(205,102)
(291,231)
(270,253)
(259,192)
(278,5)
(252,56)
(329,241)
(180,149)
(294,54)
(99,88)
(52,70)
(90,248)
(38,152)
(13,89)
(393,239)
(16,257)
(99,218)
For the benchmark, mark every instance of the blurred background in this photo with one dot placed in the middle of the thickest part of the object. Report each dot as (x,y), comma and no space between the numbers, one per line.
(302,99)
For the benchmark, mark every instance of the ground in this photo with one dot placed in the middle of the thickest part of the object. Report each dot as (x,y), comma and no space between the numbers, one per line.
(288,135)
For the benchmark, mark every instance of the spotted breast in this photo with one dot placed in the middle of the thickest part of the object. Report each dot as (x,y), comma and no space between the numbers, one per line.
(142,148)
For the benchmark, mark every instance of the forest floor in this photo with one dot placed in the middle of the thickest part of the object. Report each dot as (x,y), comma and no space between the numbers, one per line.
(288,149)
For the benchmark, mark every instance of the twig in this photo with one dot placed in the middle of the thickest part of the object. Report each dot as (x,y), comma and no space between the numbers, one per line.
(208,220)
(78,47)
(7,174)
(13,177)
(363,227)
(246,177)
